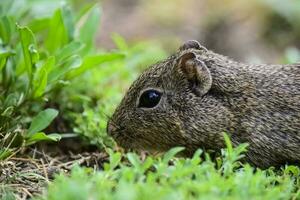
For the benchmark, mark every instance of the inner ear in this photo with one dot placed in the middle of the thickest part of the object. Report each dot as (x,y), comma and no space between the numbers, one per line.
(196,72)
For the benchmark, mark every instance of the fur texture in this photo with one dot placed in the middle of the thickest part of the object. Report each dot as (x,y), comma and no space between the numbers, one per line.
(257,104)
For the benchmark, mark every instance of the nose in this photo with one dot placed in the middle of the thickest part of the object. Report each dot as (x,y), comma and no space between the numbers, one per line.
(110,128)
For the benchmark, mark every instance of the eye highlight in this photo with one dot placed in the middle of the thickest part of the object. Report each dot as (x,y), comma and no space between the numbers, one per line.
(149,98)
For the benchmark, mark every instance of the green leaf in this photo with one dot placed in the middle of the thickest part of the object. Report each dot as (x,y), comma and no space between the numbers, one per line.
(293,170)
(228,144)
(120,42)
(42,120)
(29,48)
(6,29)
(40,136)
(93,61)
(40,24)
(40,82)
(114,160)
(4,54)
(41,77)
(34,54)
(58,34)
(84,9)
(171,153)
(147,163)
(68,20)
(70,64)
(49,64)
(4,153)
(68,50)
(89,29)
(134,160)
(11,99)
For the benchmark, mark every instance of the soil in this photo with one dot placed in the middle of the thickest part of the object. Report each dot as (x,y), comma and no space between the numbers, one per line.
(29,172)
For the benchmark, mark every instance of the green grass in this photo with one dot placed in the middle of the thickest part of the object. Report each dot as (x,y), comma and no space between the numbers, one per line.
(176,178)
(47,52)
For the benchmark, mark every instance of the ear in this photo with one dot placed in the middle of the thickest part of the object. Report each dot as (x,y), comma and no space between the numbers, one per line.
(192,44)
(196,73)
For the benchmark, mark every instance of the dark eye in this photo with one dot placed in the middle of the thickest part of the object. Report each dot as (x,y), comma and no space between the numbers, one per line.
(149,99)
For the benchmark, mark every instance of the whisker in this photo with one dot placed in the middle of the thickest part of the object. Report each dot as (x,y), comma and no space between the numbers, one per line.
(111,120)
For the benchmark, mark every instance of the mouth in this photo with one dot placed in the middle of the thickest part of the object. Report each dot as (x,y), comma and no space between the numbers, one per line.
(135,141)
(128,142)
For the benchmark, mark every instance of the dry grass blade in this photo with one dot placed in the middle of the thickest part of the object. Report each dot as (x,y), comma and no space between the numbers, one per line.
(25,177)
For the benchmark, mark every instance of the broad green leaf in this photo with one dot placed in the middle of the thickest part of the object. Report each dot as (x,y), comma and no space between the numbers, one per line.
(20,65)
(39,24)
(68,50)
(89,29)
(93,61)
(42,120)
(68,20)
(84,9)
(40,82)
(40,136)
(2,62)
(41,77)
(5,29)
(70,64)
(34,54)
(8,76)
(58,34)
(49,64)
(29,48)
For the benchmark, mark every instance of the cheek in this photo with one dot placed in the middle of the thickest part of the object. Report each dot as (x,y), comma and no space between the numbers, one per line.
(162,127)
(146,124)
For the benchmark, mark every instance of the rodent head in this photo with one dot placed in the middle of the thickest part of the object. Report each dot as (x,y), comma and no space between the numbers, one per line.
(152,113)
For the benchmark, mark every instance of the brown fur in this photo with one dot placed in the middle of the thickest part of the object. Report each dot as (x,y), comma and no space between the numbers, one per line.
(257,104)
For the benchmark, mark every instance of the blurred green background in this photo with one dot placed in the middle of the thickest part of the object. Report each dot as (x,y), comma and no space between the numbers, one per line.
(254,31)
